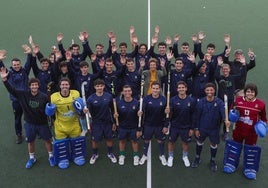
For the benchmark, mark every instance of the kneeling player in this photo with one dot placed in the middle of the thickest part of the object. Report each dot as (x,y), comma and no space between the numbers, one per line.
(251,110)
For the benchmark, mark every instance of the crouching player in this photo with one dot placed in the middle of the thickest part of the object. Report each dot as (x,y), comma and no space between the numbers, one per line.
(127,113)
(66,127)
(251,110)
(33,103)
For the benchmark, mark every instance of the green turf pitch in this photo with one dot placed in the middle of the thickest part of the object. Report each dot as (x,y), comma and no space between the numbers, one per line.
(246,22)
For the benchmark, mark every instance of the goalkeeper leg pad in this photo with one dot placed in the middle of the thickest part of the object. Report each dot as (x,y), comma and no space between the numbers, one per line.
(78,146)
(231,156)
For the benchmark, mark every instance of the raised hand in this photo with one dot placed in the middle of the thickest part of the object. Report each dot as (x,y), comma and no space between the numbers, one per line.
(36,49)
(176,38)
(227,39)
(162,62)
(242,59)
(251,54)
(27,49)
(134,39)
(3,54)
(31,41)
(194,38)
(4,73)
(201,35)
(110,34)
(59,37)
(131,30)
(93,57)
(168,41)
(154,40)
(156,30)
(191,57)
(81,37)
(220,60)
(113,39)
(169,55)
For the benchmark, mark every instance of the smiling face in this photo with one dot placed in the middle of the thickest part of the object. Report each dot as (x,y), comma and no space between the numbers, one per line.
(64,88)
(16,65)
(210,92)
(34,88)
(250,95)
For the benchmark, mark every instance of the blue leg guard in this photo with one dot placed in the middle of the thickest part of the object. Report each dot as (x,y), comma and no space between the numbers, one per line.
(231,156)
(61,153)
(78,146)
(252,155)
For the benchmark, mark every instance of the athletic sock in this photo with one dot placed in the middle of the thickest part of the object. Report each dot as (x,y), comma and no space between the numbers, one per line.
(31,155)
(184,153)
(135,153)
(170,153)
(145,148)
(198,150)
(110,149)
(161,148)
(213,152)
(95,151)
(50,154)
(123,152)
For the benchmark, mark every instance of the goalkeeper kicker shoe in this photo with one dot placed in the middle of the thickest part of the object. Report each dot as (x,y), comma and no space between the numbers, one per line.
(30,163)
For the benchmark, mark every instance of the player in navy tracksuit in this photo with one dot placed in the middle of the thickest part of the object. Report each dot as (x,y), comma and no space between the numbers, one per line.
(154,121)
(226,84)
(76,57)
(181,114)
(127,113)
(100,105)
(143,55)
(207,120)
(18,78)
(84,76)
(130,76)
(44,74)
(178,74)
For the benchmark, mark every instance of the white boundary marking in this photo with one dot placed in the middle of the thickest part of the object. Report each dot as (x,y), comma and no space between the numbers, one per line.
(149,162)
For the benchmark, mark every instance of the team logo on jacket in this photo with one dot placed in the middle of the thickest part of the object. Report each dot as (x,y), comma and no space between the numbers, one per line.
(133,107)
(256,106)
(189,104)
(161,103)
(215,104)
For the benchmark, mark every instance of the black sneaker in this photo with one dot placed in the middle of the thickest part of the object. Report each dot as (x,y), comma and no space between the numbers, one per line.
(19,139)
(196,163)
(213,166)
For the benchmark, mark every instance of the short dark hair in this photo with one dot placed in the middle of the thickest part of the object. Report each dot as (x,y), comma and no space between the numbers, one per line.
(210,85)
(43,60)
(123,44)
(75,45)
(62,64)
(127,86)
(15,59)
(156,83)
(252,87)
(99,45)
(210,45)
(99,82)
(181,83)
(162,44)
(185,44)
(33,80)
(65,79)
(83,63)
(143,44)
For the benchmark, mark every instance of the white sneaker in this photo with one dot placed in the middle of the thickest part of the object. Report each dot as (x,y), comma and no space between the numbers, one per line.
(186,161)
(93,158)
(163,160)
(112,158)
(121,160)
(170,162)
(136,160)
(143,159)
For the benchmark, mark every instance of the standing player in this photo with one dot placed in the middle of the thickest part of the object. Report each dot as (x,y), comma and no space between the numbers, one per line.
(66,127)
(154,121)
(33,104)
(128,124)
(209,115)
(100,105)
(251,110)
(181,114)
(18,77)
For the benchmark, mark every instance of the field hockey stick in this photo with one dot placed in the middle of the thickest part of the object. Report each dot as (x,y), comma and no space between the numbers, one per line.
(226,112)
(168,87)
(114,102)
(49,118)
(141,98)
(88,115)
